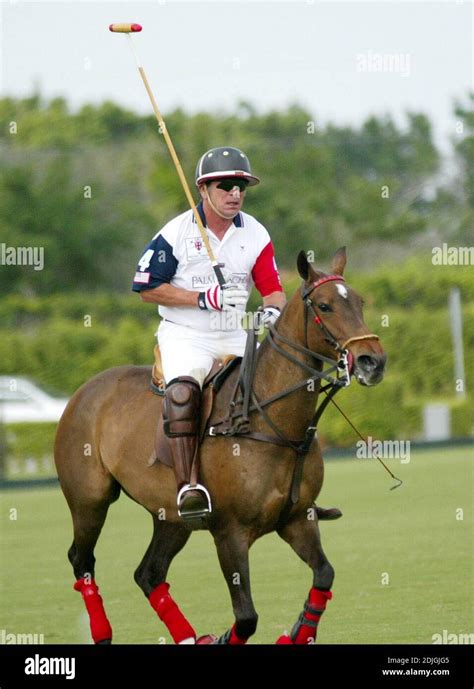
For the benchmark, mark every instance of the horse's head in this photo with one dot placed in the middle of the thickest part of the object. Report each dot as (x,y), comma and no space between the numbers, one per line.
(334,320)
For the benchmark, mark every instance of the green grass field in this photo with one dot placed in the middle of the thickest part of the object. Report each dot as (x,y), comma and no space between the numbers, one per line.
(413,534)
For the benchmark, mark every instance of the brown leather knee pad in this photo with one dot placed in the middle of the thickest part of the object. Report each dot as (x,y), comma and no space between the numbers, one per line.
(181,407)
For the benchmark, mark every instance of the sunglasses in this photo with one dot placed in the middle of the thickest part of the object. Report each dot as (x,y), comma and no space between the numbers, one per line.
(230,183)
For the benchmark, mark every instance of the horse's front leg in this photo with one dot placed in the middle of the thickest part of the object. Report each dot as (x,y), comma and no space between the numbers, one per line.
(303,535)
(233,551)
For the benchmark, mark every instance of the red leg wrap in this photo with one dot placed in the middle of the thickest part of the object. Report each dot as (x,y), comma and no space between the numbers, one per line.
(234,639)
(170,614)
(305,630)
(100,625)
(284,639)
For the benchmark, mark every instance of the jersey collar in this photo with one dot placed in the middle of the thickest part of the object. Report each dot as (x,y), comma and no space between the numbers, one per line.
(238,219)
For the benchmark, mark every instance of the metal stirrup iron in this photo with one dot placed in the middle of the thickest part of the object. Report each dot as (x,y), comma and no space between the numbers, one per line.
(196,514)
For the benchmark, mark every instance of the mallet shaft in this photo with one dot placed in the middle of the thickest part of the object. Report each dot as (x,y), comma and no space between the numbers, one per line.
(177,164)
(128,29)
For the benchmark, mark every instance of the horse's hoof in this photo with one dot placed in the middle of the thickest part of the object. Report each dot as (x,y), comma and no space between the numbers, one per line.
(104,642)
(206,639)
(284,639)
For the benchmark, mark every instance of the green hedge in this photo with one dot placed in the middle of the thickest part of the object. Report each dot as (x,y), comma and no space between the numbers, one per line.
(48,340)
(415,282)
(29,450)
(379,412)
(104,309)
(62,354)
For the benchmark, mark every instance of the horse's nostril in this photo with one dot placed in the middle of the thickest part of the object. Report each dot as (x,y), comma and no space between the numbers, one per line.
(367,363)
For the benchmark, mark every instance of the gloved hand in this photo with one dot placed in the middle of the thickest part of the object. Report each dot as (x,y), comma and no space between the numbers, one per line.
(268,316)
(223,298)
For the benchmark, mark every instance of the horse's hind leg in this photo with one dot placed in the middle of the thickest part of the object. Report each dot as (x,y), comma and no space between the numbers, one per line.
(302,533)
(167,540)
(88,510)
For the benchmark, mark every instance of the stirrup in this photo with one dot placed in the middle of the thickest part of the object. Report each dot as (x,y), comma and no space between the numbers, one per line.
(197,514)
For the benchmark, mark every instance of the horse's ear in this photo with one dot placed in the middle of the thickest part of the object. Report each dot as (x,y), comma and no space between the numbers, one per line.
(339,261)
(303,265)
(306,269)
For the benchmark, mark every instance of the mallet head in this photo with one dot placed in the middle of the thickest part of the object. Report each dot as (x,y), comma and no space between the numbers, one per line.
(125,28)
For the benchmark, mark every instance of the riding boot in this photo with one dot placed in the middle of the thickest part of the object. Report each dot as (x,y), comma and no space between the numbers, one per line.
(181,412)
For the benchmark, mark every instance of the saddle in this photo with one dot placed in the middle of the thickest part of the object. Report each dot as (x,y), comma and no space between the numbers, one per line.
(220,370)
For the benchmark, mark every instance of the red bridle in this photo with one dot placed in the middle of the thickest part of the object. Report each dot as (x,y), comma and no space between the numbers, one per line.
(329,336)
(327,278)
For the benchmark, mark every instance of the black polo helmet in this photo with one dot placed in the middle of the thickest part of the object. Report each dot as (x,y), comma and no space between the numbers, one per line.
(224,161)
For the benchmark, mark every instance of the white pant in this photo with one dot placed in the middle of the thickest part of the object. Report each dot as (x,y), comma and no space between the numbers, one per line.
(189,352)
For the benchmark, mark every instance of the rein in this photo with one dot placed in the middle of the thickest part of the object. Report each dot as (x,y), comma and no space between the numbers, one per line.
(244,383)
(342,369)
(337,376)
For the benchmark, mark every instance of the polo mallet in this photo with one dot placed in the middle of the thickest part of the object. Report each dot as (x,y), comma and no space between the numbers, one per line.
(128,29)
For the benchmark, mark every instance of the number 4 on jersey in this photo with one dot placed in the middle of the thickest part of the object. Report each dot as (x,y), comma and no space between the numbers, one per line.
(144,262)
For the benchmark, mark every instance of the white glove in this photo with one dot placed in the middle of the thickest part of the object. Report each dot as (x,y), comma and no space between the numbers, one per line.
(223,298)
(268,316)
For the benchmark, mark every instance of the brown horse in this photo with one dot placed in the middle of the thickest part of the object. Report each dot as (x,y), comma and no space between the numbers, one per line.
(106,437)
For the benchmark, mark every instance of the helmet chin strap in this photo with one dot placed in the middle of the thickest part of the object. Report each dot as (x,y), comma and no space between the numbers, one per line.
(221,215)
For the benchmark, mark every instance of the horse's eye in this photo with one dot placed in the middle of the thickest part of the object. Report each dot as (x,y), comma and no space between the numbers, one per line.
(324,307)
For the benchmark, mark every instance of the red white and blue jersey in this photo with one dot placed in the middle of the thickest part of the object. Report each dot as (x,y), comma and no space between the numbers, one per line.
(176,255)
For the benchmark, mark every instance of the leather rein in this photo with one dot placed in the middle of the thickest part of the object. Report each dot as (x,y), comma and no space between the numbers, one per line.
(337,375)
(342,368)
